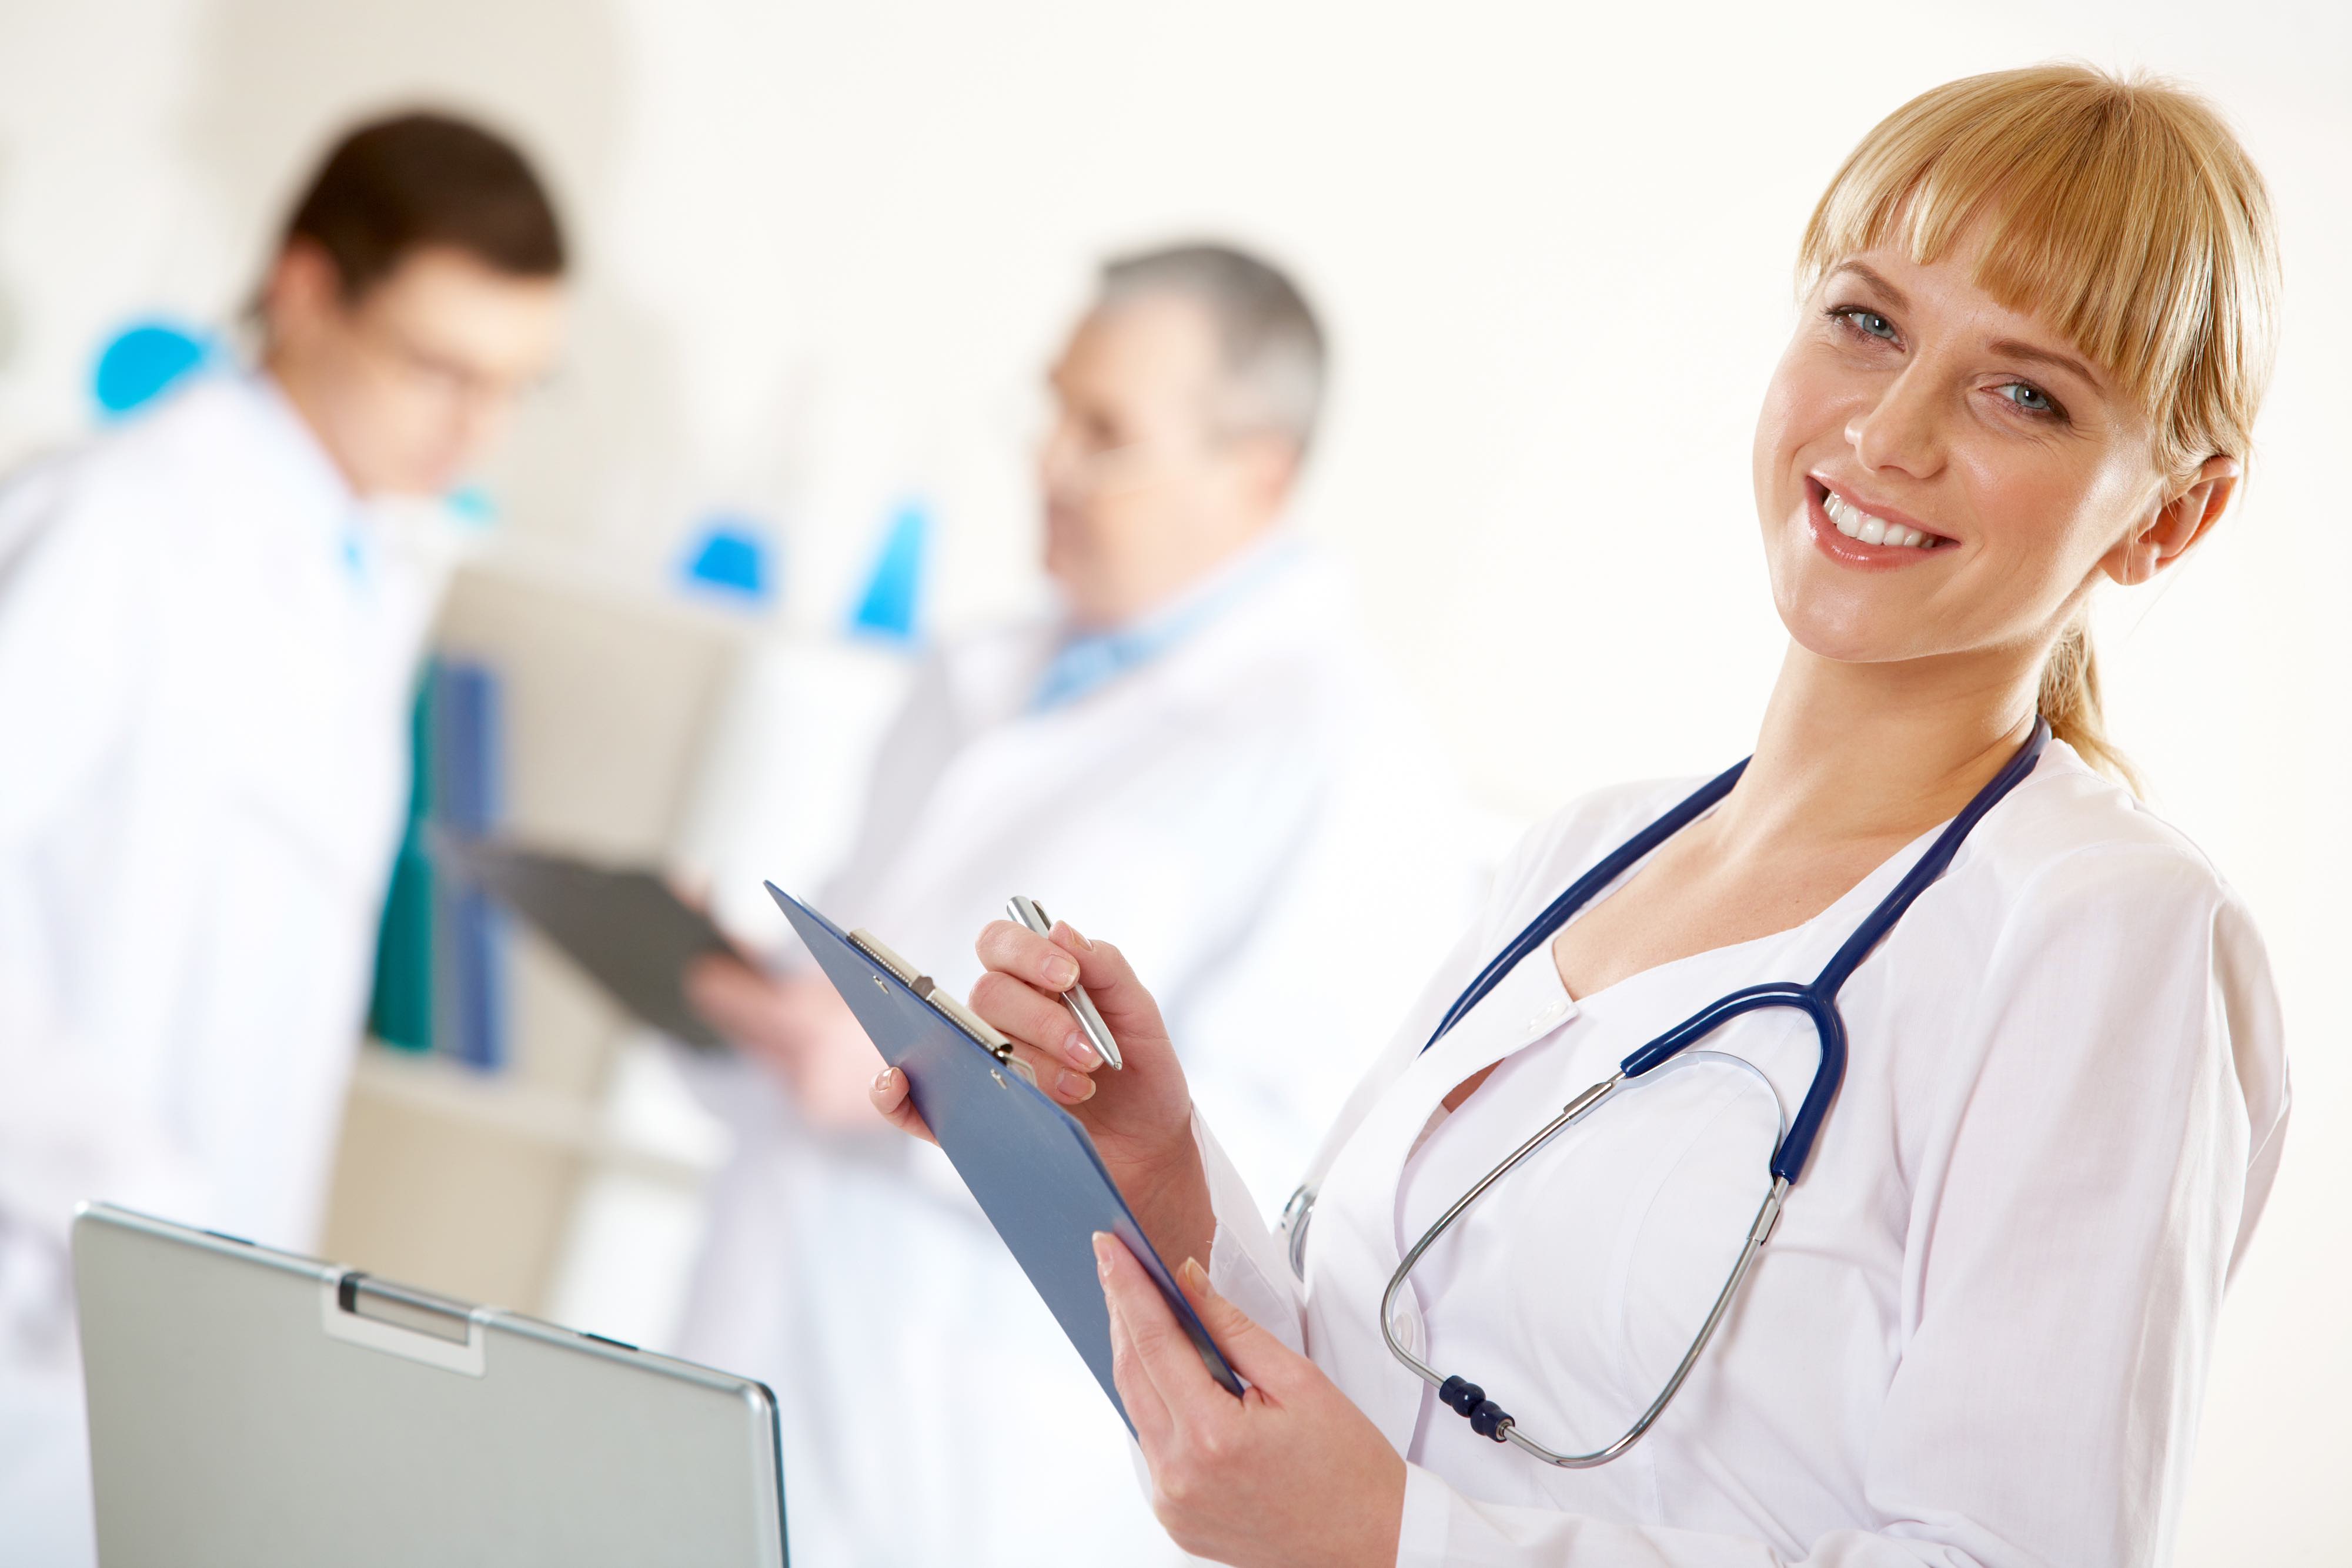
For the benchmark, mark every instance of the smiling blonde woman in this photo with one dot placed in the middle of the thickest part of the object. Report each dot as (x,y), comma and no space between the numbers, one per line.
(2026,1080)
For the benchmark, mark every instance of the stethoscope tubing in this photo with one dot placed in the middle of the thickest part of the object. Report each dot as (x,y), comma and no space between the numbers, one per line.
(1792,1149)
(1817,997)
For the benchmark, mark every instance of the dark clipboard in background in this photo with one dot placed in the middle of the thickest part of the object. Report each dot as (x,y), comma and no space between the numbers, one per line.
(1027,1161)
(623,926)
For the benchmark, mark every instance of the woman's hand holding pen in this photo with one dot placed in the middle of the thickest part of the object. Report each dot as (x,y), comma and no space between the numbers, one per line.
(1292,1473)
(1140,1117)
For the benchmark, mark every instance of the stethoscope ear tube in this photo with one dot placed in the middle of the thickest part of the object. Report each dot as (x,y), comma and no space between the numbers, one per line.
(1468,1399)
(1768,1215)
(1575,1111)
(1296,1214)
(1795,1147)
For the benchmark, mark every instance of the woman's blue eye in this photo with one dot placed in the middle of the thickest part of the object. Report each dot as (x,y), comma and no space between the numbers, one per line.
(1872,322)
(2031,399)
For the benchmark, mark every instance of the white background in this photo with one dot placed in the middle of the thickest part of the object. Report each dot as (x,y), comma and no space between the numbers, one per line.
(827,249)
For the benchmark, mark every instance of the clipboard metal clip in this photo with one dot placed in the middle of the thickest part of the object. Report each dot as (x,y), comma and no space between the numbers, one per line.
(954,1011)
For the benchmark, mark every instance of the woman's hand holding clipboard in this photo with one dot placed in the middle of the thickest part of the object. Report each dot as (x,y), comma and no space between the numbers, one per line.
(1141,1117)
(1035,1170)
(1292,1452)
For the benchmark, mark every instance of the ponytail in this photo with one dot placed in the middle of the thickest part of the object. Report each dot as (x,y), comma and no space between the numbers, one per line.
(2069,700)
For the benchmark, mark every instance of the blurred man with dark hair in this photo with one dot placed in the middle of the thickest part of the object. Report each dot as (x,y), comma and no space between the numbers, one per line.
(1194,755)
(209,627)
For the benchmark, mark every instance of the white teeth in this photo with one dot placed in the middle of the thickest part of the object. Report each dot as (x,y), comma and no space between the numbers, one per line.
(1856,524)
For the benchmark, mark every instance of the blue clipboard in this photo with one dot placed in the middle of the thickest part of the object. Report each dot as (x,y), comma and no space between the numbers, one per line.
(1027,1161)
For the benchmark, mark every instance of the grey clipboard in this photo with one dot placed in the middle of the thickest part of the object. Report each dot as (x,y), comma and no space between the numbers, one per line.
(623,925)
(1027,1161)
(252,1409)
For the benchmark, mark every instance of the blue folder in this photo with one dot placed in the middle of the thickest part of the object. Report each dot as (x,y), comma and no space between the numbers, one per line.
(1027,1161)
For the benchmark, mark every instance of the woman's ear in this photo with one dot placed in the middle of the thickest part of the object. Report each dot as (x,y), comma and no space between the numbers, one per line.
(2165,535)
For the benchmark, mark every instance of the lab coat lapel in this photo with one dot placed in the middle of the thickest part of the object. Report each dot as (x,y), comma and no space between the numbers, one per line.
(1019,767)
(1010,780)
(1353,1247)
(316,637)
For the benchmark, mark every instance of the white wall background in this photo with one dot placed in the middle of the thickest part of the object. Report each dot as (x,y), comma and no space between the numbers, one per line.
(827,247)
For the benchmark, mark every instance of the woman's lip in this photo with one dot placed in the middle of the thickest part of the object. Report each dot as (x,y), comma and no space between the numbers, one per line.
(1854,552)
(1887,515)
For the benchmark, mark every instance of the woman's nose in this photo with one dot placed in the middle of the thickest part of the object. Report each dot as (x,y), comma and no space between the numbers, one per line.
(1902,427)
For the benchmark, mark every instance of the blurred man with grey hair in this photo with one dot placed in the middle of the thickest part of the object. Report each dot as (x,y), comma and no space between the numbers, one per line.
(1193,758)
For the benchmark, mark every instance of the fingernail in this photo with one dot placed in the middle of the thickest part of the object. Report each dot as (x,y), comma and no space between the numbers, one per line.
(1102,1253)
(1081,1054)
(1195,1275)
(1062,971)
(1075,1086)
(882,1079)
(1079,936)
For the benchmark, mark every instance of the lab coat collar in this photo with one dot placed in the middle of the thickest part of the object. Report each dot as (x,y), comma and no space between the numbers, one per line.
(1086,660)
(244,424)
(300,457)
(1287,601)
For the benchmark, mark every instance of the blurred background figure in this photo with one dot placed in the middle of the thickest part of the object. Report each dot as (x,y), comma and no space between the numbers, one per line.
(816,252)
(210,619)
(1228,781)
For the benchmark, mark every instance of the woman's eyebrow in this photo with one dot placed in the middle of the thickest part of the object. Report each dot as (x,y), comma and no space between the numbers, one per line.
(1896,296)
(2017,349)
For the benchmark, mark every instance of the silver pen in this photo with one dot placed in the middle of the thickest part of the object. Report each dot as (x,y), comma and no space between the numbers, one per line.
(1082,1006)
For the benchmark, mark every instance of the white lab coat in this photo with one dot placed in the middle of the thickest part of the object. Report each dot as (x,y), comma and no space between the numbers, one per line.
(1252,820)
(206,652)
(1979,1335)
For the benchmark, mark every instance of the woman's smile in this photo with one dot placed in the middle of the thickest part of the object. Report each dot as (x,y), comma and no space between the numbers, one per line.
(1871,538)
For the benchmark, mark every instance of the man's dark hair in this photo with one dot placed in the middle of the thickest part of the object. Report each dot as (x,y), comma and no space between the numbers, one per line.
(394,186)
(1272,345)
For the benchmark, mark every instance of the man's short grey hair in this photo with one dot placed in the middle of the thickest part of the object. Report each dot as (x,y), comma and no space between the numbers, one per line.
(1272,345)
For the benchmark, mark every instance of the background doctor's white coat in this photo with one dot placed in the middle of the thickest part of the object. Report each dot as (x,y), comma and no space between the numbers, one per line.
(207,646)
(1255,821)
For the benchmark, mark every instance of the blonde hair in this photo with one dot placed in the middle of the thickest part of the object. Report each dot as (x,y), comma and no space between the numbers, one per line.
(2121,212)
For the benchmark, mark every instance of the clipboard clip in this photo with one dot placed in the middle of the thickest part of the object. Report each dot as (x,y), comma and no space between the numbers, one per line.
(954,1011)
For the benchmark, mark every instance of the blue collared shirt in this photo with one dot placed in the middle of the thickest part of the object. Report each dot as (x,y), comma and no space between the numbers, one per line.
(1087,661)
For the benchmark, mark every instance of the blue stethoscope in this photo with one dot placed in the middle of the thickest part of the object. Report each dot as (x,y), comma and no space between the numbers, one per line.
(1817,1000)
